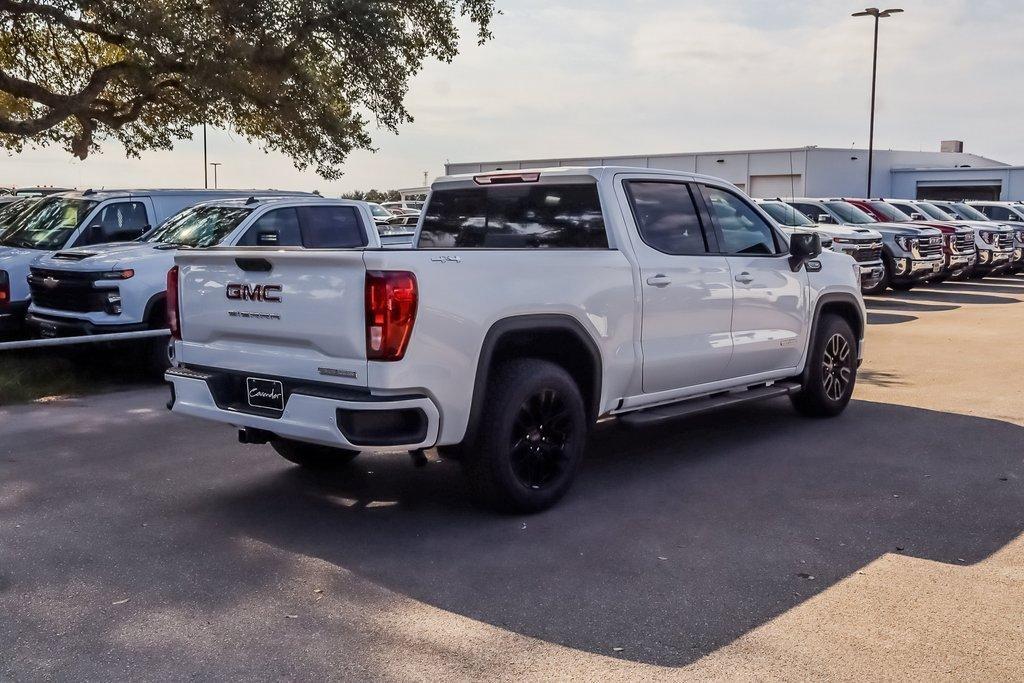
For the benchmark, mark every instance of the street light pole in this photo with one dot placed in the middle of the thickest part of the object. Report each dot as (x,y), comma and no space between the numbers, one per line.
(206,170)
(878,15)
(215,164)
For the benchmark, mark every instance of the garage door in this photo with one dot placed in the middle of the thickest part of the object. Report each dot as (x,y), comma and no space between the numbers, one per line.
(767,186)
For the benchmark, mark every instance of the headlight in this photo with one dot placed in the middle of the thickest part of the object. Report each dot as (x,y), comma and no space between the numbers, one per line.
(118,274)
(841,240)
(988,237)
(1020,235)
(905,243)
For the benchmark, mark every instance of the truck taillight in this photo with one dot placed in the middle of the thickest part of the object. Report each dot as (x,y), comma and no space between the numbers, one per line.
(5,287)
(173,309)
(391,298)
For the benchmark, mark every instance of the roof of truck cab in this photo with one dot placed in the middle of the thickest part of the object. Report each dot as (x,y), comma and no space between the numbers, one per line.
(102,194)
(576,171)
(278,200)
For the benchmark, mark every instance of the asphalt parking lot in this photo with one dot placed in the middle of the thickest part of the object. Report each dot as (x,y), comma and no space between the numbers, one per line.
(752,543)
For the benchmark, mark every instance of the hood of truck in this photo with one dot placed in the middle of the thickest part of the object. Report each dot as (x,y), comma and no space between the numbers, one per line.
(847,231)
(905,229)
(945,227)
(110,257)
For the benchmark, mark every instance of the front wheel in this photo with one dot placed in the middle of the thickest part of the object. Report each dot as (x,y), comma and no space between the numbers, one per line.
(831,372)
(901,286)
(313,456)
(530,439)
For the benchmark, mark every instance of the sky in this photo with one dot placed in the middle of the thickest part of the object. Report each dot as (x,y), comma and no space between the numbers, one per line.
(575,78)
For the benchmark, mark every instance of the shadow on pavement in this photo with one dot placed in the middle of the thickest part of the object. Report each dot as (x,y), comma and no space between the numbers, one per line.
(875,318)
(674,541)
(943,296)
(983,286)
(890,304)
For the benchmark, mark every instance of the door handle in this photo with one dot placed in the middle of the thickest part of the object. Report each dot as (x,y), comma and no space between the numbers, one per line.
(745,278)
(659,280)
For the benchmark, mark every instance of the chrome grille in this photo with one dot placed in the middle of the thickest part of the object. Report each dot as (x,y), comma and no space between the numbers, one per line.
(928,247)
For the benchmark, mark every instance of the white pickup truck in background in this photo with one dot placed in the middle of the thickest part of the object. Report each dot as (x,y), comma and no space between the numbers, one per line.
(531,305)
(121,287)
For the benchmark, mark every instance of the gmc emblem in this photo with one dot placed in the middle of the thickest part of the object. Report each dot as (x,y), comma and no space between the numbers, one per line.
(267,293)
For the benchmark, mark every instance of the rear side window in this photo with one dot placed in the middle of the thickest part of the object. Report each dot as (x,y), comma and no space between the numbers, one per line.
(313,227)
(122,221)
(331,227)
(279,227)
(515,217)
(666,217)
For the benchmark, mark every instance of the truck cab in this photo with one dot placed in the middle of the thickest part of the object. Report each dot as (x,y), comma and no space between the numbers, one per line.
(909,254)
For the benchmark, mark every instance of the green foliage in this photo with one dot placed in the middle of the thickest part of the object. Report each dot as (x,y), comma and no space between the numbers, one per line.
(375,196)
(303,77)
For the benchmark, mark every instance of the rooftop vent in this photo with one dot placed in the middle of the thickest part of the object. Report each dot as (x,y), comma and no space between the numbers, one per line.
(956,146)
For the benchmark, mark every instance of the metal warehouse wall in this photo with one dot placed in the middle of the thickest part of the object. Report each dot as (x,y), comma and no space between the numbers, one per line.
(803,171)
(906,182)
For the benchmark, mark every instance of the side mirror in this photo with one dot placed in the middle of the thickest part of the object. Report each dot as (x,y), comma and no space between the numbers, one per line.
(915,216)
(803,246)
(267,238)
(825,218)
(94,233)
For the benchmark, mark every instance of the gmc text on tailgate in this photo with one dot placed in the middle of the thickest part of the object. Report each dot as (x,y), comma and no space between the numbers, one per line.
(531,305)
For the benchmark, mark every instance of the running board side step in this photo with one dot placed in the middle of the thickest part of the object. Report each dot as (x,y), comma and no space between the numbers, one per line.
(696,406)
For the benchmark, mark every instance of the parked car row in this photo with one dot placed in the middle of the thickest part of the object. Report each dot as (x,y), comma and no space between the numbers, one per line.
(86,263)
(902,243)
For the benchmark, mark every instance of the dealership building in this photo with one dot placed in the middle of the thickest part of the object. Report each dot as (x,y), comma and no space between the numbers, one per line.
(818,171)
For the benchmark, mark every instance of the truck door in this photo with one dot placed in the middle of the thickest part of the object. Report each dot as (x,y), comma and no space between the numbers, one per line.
(769,320)
(687,287)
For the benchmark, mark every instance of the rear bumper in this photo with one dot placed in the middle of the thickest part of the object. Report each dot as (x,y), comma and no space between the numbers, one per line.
(371,422)
(12,316)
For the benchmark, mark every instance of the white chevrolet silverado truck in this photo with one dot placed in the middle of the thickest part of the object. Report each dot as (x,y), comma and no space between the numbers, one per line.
(531,305)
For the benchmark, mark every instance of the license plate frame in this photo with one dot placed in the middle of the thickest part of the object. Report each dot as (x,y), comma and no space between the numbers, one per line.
(264,394)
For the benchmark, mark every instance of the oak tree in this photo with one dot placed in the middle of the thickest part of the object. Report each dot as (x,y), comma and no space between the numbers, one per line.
(304,77)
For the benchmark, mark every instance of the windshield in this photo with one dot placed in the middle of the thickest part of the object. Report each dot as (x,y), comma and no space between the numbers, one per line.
(891,213)
(48,224)
(379,211)
(935,212)
(849,213)
(786,215)
(968,213)
(198,226)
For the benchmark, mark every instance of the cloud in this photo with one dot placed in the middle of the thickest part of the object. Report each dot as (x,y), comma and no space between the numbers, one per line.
(572,78)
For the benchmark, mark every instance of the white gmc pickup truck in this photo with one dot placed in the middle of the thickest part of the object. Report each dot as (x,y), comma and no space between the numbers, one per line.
(531,305)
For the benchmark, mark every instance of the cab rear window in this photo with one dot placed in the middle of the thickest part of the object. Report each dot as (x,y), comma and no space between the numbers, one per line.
(523,216)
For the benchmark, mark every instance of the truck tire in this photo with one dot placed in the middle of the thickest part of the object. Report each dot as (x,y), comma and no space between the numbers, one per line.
(832,370)
(313,456)
(531,437)
(158,355)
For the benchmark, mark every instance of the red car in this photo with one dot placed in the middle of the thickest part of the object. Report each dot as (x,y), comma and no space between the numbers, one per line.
(959,250)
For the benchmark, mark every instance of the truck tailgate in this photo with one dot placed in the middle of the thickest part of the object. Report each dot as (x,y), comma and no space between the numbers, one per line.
(297,314)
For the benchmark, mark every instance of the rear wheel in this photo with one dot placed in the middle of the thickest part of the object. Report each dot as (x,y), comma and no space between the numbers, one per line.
(832,370)
(530,439)
(902,286)
(313,456)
